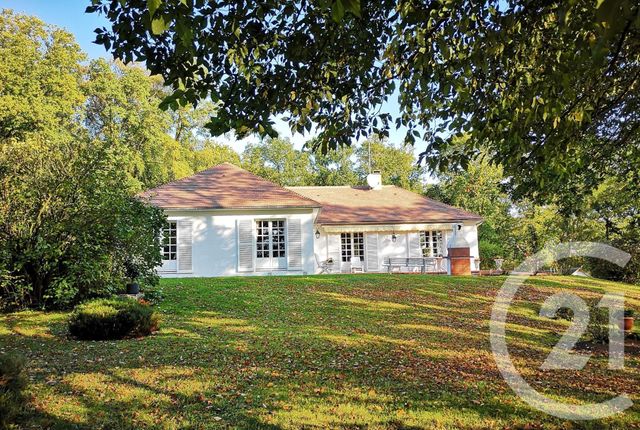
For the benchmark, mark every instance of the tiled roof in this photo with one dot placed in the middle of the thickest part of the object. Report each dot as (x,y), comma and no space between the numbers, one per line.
(388,205)
(225,186)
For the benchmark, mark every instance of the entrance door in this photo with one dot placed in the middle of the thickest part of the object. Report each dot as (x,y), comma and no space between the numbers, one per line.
(270,245)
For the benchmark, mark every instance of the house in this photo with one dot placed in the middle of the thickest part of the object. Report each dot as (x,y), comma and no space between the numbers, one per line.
(227,221)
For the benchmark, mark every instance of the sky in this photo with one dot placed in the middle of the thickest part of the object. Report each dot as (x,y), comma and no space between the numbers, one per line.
(69,14)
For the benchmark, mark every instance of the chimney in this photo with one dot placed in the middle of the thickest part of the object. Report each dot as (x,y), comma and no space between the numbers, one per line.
(374,180)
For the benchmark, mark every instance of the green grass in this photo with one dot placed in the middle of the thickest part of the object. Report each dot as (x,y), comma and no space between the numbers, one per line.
(376,351)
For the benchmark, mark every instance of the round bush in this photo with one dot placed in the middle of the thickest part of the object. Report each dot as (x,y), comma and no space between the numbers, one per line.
(106,319)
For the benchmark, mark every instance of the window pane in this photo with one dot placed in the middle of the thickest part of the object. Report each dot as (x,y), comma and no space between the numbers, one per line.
(346,242)
(358,245)
(169,241)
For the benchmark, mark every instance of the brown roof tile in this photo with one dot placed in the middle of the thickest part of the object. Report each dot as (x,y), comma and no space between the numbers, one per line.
(389,205)
(225,186)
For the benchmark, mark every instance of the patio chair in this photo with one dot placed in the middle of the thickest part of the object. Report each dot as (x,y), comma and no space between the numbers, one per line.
(326,266)
(356,265)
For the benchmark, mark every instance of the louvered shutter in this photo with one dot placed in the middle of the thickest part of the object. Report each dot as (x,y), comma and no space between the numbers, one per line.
(294,244)
(371,249)
(414,245)
(185,246)
(333,245)
(245,245)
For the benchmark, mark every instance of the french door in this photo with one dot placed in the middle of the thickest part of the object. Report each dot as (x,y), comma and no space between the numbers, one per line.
(271,245)
(170,247)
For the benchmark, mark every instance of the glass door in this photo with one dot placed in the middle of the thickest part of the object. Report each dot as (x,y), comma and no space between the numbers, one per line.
(271,245)
(170,247)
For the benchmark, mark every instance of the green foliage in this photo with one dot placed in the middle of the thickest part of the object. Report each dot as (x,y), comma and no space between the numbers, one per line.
(598,327)
(106,319)
(68,218)
(69,228)
(396,164)
(157,147)
(13,381)
(615,204)
(479,190)
(211,154)
(489,251)
(547,89)
(278,161)
(153,294)
(36,99)
(335,167)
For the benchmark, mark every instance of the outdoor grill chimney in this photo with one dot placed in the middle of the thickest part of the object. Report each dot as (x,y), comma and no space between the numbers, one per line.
(459,252)
(374,180)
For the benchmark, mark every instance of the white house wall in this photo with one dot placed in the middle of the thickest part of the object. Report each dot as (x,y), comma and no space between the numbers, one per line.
(215,242)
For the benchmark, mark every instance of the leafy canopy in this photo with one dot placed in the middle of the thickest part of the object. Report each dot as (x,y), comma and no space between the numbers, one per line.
(547,89)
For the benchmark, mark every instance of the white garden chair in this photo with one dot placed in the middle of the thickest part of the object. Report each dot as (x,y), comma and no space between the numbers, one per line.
(326,266)
(356,265)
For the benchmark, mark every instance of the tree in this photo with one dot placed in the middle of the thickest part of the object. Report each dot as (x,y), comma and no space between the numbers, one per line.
(615,205)
(335,167)
(278,161)
(69,229)
(396,164)
(211,154)
(511,229)
(69,224)
(36,99)
(547,89)
(480,190)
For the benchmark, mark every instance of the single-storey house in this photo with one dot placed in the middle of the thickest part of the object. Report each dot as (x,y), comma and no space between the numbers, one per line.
(226,221)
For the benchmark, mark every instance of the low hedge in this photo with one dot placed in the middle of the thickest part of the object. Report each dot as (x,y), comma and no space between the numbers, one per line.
(13,381)
(109,319)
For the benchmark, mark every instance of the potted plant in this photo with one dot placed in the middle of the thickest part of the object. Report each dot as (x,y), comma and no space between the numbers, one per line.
(627,323)
(132,273)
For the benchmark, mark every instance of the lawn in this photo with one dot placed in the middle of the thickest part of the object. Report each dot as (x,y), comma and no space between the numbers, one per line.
(349,351)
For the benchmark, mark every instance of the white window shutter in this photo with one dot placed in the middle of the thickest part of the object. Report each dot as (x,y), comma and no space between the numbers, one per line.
(334,251)
(185,246)
(245,245)
(371,249)
(414,245)
(294,244)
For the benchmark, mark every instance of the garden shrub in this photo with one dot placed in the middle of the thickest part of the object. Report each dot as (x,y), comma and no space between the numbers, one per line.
(108,319)
(13,381)
(153,294)
(489,251)
(598,328)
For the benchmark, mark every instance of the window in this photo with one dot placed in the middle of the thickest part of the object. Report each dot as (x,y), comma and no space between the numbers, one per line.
(170,241)
(352,245)
(431,243)
(278,239)
(270,239)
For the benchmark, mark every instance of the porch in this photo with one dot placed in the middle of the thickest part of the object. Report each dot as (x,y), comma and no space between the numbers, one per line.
(396,248)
